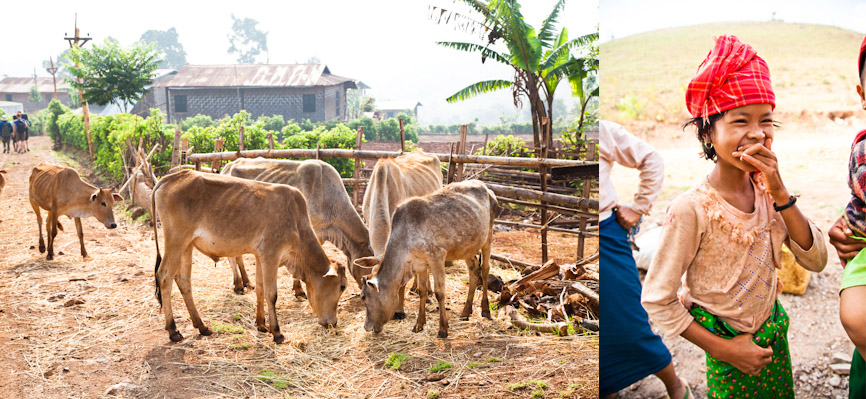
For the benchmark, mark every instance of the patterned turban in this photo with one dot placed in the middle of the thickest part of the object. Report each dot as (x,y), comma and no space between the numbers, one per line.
(732,76)
(862,57)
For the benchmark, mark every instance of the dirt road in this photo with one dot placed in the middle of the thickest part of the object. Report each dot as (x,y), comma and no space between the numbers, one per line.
(91,327)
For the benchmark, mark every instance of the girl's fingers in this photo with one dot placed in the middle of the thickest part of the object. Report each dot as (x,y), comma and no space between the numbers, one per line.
(769,143)
(756,163)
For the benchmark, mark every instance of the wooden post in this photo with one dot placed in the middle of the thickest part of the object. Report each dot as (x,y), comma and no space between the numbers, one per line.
(450,172)
(271,141)
(240,139)
(402,137)
(587,190)
(356,188)
(545,122)
(484,149)
(175,148)
(183,151)
(581,239)
(461,149)
(218,147)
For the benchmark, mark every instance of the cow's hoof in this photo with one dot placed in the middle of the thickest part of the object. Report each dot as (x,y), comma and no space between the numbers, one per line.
(41,249)
(417,329)
(250,286)
(262,328)
(443,334)
(239,291)
(300,296)
(486,314)
(83,254)
(464,318)
(50,257)
(205,331)
(175,336)
(279,338)
(399,315)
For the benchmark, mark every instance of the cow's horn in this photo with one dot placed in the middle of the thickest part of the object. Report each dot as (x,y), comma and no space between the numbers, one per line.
(373,283)
(332,271)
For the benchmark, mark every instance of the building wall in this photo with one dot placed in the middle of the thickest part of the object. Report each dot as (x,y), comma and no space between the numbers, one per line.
(285,101)
(29,106)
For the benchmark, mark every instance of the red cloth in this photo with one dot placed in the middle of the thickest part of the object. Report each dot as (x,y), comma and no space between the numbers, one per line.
(733,75)
(862,53)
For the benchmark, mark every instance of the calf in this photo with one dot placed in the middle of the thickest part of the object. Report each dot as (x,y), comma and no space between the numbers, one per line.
(332,215)
(60,191)
(454,222)
(224,216)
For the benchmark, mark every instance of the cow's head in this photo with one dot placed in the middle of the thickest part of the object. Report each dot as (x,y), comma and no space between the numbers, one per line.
(324,292)
(102,206)
(381,297)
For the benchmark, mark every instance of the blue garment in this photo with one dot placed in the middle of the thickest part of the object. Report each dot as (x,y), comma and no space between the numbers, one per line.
(628,349)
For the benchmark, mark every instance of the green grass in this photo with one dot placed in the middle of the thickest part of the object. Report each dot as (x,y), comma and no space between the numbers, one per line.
(228,328)
(645,75)
(489,360)
(433,394)
(240,346)
(541,385)
(440,366)
(269,377)
(396,360)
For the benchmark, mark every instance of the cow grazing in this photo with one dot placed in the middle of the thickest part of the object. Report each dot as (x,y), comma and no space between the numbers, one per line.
(393,181)
(60,191)
(2,180)
(332,215)
(224,216)
(455,222)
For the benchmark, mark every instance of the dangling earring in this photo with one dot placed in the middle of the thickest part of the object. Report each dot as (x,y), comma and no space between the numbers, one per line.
(709,145)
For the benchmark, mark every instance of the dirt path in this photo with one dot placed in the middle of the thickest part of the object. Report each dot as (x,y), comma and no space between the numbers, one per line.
(111,331)
(813,162)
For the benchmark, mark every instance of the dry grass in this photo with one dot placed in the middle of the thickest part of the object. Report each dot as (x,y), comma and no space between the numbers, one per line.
(116,335)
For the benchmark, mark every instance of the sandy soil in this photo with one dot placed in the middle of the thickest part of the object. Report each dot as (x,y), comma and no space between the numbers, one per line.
(813,156)
(90,327)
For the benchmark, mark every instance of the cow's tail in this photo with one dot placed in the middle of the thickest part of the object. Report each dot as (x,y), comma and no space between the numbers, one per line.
(156,238)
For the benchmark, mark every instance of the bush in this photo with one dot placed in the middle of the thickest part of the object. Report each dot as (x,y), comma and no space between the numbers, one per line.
(500,145)
(199,120)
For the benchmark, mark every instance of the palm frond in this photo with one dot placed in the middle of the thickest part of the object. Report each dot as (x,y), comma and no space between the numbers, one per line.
(520,37)
(478,88)
(485,52)
(545,34)
(563,50)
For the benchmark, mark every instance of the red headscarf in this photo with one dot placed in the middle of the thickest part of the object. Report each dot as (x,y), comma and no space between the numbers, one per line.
(732,76)
(862,53)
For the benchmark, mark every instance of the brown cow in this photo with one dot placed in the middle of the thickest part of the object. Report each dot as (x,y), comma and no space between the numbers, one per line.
(393,181)
(2,180)
(60,190)
(333,217)
(455,222)
(213,213)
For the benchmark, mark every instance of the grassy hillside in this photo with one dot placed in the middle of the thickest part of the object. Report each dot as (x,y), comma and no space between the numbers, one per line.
(813,69)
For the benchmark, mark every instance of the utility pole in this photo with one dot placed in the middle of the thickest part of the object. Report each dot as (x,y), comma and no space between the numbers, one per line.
(79,41)
(53,72)
(36,85)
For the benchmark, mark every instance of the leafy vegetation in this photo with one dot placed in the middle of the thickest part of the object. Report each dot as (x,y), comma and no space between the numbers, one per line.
(481,363)
(247,41)
(269,377)
(396,360)
(227,328)
(167,42)
(528,385)
(440,366)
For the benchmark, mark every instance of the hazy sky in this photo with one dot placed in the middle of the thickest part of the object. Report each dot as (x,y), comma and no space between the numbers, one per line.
(387,44)
(620,18)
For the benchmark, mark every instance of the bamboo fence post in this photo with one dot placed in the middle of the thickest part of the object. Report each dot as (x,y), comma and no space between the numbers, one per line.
(461,149)
(450,172)
(175,151)
(271,141)
(241,139)
(402,137)
(217,147)
(545,132)
(357,170)
(484,149)
(587,190)
(183,151)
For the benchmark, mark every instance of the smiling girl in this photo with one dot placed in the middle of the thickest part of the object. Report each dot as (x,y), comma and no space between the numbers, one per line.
(713,281)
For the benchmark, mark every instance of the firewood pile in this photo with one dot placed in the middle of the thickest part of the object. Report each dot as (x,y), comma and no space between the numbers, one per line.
(554,293)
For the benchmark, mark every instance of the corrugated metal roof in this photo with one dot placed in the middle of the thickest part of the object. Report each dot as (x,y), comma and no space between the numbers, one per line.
(253,75)
(23,85)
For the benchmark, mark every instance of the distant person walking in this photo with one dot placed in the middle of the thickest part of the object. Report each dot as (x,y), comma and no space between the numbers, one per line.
(629,350)
(20,130)
(6,133)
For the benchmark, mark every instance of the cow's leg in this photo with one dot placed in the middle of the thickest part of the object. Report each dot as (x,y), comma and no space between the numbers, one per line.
(243,270)
(485,272)
(473,268)
(439,282)
(52,232)
(260,298)
(400,313)
(236,264)
(269,270)
(422,302)
(184,284)
(38,213)
(80,232)
(165,275)
(298,289)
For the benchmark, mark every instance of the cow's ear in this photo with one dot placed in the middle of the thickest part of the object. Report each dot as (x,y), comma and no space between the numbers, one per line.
(93,197)
(332,271)
(373,283)
(368,262)
(116,197)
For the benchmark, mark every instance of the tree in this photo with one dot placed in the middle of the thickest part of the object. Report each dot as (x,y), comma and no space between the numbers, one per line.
(539,61)
(368,104)
(246,40)
(314,60)
(111,74)
(59,63)
(35,96)
(167,41)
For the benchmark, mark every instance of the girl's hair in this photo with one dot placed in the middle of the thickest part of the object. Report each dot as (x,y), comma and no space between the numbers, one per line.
(704,128)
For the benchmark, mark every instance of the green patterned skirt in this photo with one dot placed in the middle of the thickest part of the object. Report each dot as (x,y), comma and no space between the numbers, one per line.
(774,381)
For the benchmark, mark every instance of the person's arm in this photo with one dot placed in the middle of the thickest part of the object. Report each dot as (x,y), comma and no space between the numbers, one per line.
(841,239)
(635,153)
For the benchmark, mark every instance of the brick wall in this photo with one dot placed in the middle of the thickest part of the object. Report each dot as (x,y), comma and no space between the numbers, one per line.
(285,101)
(29,106)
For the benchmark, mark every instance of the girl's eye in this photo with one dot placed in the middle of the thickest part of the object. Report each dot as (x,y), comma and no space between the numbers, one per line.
(767,121)
(740,121)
